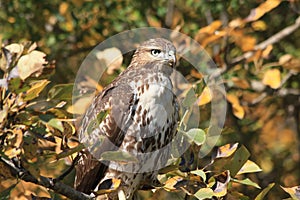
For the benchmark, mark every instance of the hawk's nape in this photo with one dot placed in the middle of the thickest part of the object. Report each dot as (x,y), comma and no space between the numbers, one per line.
(141,115)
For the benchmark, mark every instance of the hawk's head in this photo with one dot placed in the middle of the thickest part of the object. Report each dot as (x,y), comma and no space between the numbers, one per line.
(157,49)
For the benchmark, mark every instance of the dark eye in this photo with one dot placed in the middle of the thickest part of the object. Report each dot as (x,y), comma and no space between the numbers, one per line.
(155,52)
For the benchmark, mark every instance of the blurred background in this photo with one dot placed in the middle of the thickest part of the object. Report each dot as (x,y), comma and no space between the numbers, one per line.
(263,86)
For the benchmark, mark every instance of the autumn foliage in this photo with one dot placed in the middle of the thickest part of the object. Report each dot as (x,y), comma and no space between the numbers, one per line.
(254,44)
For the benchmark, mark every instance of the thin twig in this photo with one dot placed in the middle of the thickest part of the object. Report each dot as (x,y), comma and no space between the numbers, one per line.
(56,186)
(271,40)
(280,92)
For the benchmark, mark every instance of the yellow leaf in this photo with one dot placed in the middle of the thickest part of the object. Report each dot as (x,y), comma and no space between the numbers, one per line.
(289,62)
(226,150)
(116,183)
(247,43)
(211,28)
(272,78)
(236,23)
(262,9)
(69,25)
(238,110)
(31,63)
(266,52)
(19,137)
(259,25)
(12,152)
(170,183)
(26,189)
(11,20)
(294,192)
(285,58)
(4,113)
(35,89)
(63,8)
(153,21)
(205,97)
(212,38)
(241,83)
(209,33)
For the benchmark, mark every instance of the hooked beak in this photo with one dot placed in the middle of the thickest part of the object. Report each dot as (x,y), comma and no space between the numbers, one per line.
(171,57)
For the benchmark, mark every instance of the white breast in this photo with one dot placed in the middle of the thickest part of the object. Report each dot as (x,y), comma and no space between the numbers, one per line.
(155,107)
(157,101)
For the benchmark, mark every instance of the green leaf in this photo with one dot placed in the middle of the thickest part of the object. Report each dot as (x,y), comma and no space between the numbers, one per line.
(41,105)
(46,117)
(35,89)
(190,98)
(200,173)
(262,194)
(118,156)
(238,160)
(61,92)
(204,193)
(196,135)
(25,118)
(56,123)
(249,167)
(246,181)
(16,85)
(199,86)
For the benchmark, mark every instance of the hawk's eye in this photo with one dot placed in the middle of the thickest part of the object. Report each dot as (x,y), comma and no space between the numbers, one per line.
(155,52)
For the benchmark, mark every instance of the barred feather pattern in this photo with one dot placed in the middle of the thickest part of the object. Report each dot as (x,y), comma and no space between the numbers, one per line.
(140,117)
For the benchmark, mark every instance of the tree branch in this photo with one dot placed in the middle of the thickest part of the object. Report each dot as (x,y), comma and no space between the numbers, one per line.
(281,91)
(271,40)
(56,186)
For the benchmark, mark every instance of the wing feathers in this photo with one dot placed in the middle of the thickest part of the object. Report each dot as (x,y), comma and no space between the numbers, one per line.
(90,171)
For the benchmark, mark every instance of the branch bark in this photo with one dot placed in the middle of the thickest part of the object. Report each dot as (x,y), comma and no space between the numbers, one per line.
(49,183)
(271,40)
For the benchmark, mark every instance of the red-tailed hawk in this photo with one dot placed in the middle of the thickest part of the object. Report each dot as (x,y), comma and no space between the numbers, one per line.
(139,115)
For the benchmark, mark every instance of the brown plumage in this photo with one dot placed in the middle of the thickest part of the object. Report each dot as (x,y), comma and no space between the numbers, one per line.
(140,115)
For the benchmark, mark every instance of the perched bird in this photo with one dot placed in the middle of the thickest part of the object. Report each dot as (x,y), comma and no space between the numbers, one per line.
(139,115)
